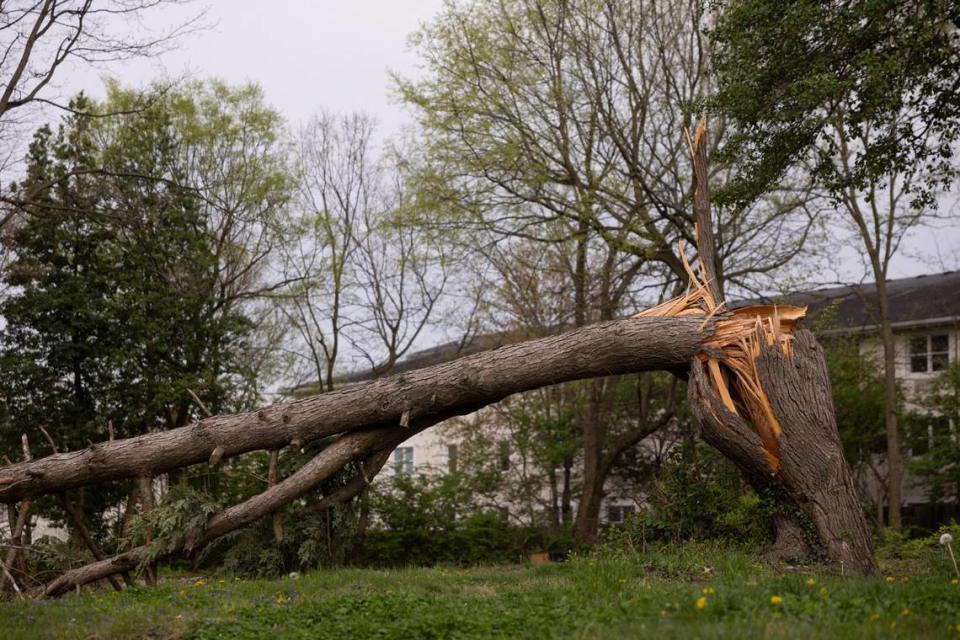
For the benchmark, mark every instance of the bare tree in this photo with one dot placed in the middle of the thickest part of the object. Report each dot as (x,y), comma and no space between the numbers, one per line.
(39,37)
(401,273)
(338,184)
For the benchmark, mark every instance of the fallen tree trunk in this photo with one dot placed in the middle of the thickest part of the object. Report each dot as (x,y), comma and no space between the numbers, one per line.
(761,393)
(608,348)
(763,399)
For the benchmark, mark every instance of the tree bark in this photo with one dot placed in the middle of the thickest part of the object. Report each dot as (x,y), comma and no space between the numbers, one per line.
(812,469)
(355,446)
(593,431)
(891,428)
(619,346)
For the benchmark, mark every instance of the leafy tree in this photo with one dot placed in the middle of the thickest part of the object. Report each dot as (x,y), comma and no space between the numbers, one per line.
(866,94)
(137,265)
(59,342)
(787,70)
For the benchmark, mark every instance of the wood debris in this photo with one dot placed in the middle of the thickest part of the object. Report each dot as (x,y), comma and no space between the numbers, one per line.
(739,335)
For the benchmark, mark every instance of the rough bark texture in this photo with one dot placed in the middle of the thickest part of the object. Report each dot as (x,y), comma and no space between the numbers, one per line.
(357,445)
(891,428)
(812,472)
(619,346)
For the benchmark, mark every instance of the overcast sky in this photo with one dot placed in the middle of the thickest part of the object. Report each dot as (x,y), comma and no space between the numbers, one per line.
(337,54)
(306,54)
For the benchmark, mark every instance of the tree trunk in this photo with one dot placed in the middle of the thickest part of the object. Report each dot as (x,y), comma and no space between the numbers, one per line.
(593,431)
(619,346)
(894,454)
(812,470)
(361,445)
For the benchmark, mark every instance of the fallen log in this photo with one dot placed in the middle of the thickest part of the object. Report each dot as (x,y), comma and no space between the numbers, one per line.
(760,392)
(608,348)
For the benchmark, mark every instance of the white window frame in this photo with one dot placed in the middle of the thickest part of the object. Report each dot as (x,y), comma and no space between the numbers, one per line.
(928,353)
(623,512)
(404,460)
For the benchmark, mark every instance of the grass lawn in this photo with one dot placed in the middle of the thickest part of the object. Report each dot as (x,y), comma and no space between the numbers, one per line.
(663,594)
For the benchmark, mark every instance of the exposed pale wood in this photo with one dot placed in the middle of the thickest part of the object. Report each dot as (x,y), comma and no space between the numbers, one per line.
(812,470)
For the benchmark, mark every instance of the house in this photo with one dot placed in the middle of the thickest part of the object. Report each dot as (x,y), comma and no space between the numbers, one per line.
(925,312)
(925,317)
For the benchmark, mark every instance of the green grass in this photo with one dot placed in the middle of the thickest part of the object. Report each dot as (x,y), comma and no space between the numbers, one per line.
(602,596)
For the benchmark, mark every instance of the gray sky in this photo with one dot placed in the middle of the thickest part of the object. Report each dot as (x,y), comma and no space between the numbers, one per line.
(306,54)
(337,54)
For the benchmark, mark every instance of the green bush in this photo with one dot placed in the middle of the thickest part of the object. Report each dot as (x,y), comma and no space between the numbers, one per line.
(698,497)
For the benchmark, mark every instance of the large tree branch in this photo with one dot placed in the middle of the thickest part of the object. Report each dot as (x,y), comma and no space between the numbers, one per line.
(361,445)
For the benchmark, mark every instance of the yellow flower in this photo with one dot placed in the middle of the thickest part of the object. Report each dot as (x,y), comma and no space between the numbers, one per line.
(874,617)
(200,583)
(905,612)
(280,599)
(663,613)
(905,579)
(708,590)
(824,592)
(955,581)
(890,579)
(701,603)
(811,582)
(776,600)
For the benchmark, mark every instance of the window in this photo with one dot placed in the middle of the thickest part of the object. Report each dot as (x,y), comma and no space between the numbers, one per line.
(925,432)
(929,353)
(618,513)
(403,460)
(452,458)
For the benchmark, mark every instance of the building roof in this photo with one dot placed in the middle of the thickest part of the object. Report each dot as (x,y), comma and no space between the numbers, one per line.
(926,300)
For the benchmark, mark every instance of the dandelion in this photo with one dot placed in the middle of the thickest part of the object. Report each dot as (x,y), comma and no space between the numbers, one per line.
(701,602)
(824,592)
(955,581)
(280,599)
(664,613)
(200,583)
(905,612)
(708,591)
(294,575)
(874,617)
(811,582)
(890,579)
(905,579)
(946,539)
(776,601)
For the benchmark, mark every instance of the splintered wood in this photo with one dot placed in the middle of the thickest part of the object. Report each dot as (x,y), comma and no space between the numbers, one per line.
(730,354)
